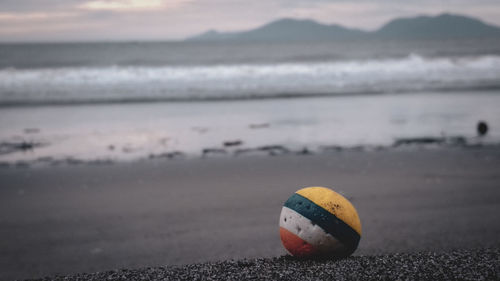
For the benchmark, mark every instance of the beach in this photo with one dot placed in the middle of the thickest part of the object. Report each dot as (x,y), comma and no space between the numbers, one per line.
(463,265)
(88,217)
(172,160)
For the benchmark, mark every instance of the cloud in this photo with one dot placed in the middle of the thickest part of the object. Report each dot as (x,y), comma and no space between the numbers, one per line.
(130,5)
(34,16)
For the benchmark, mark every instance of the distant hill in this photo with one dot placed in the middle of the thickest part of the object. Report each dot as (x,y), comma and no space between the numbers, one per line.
(444,26)
(285,30)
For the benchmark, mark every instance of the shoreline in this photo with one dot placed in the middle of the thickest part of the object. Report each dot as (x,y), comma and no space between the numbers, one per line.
(136,131)
(237,151)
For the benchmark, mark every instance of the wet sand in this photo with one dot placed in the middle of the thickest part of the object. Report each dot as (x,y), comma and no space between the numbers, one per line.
(86,218)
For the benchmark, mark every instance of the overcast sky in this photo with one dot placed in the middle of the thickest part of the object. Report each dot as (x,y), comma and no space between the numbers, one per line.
(70,20)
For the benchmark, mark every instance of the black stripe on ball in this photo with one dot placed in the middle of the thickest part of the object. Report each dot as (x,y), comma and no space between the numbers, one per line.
(326,220)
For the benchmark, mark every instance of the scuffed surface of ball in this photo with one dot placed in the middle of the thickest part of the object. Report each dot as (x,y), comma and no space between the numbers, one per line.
(319,222)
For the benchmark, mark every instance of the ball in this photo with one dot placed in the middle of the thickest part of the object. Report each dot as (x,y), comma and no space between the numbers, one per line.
(319,222)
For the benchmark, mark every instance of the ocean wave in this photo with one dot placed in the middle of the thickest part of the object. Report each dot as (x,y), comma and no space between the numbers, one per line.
(246,81)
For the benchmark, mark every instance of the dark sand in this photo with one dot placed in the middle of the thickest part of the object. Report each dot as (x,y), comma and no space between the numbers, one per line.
(87,218)
(481,264)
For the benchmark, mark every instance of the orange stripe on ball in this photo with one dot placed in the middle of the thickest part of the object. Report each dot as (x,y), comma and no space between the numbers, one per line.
(295,245)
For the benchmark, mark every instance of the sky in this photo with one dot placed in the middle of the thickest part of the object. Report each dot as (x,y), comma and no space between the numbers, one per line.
(117,20)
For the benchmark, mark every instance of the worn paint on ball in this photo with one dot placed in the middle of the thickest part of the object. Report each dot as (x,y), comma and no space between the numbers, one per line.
(317,221)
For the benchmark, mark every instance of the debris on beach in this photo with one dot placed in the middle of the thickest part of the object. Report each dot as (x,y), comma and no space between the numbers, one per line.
(233,143)
(168,155)
(270,150)
(213,151)
(10,147)
(482,128)
(100,162)
(241,151)
(423,140)
(304,151)
(334,148)
(274,149)
(74,161)
(458,140)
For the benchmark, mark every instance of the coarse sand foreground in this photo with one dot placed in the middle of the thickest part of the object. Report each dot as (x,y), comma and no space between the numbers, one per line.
(70,219)
(480,264)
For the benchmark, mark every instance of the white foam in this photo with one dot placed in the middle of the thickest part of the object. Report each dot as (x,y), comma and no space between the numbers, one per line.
(247,80)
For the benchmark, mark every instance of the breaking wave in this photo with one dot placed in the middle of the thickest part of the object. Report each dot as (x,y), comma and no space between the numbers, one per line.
(74,85)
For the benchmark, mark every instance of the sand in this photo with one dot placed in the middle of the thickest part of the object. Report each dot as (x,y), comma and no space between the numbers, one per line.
(87,218)
(483,264)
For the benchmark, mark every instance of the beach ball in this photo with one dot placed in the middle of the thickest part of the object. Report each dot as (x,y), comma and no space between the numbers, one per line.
(319,222)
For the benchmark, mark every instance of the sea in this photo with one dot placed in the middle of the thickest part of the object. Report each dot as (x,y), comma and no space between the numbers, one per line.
(122,101)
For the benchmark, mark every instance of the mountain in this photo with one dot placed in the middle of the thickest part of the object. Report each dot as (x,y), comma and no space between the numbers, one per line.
(444,26)
(286,30)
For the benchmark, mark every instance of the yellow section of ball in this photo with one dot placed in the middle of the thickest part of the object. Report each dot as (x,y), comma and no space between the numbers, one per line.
(334,203)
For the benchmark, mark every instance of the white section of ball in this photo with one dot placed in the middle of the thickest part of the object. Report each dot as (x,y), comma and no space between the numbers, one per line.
(309,231)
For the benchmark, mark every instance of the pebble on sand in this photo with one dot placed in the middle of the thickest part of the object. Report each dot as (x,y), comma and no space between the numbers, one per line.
(479,264)
(482,128)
